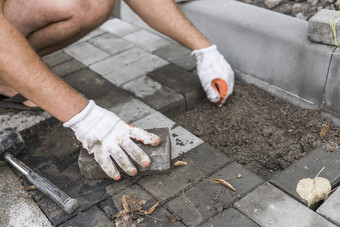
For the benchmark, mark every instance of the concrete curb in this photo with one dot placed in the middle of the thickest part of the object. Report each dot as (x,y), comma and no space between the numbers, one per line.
(268,49)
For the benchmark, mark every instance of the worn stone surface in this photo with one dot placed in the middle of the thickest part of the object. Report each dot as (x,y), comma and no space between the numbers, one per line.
(67,68)
(89,83)
(17,208)
(205,199)
(330,208)
(147,40)
(118,61)
(177,55)
(268,206)
(91,217)
(166,186)
(154,120)
(160,158)
(319,29)
(181,81)
(159,97)
(119,27)
(111,43)
(136,69)
(86,53)
(309,166)
(112,98)
(230,217)
(22,120)
(56,58)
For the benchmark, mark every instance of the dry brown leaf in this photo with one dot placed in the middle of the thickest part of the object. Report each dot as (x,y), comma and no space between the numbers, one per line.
(324,132)
(152,209)
(125,220)
(131,204)
(173,218)
(30,188)
(180,163)
(225,183)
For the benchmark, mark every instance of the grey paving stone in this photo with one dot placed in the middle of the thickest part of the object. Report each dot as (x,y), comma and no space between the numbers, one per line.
(111,43)
(178,55)
(147,40)
(56,58)
(160,158)
(114,97)
(131,110)
(166,186)
(159,97)
(230,217)
(309,166)
(330,208)
(136,69)
(91,35)
(109,208)
(67,68)
(119,27)
(89,83)
(181,140)
(319,29)
(91,217)
(86,53)
(201,202)
(181,81)
(118,61)
(268,206)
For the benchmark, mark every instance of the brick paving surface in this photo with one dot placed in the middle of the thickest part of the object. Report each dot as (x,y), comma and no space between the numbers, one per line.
(144,79)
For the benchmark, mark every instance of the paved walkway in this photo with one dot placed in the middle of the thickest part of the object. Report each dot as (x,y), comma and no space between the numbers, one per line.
(145,79)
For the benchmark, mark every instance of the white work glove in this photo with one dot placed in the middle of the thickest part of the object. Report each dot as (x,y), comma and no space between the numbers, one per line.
(105,135)
(216,75)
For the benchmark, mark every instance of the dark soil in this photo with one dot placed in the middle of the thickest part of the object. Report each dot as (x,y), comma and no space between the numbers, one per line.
(258,130)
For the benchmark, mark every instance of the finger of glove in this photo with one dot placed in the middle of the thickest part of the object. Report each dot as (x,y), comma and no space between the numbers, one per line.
(221,87)
(122,160)
(212,94)
(135,152)
(107,164)
(144,136)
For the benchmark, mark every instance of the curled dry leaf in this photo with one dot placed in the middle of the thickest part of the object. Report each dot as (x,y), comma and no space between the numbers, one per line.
(221,181)
(324,132)
(180,163)
(152,209)
(131,204)
(173,218)
(313,190)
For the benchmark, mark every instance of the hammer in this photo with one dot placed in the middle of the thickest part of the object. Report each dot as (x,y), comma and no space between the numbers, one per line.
(11,143)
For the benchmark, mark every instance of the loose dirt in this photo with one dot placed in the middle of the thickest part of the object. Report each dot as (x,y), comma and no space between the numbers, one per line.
(258,130)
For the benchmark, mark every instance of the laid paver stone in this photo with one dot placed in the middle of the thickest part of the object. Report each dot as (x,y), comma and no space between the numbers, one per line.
(202,201)
(230,217)
(319,29)
(22,120)
(330,208)
(119,27)
(202,161)
(156,95)
(86,53)
(269,206)
(67,68)
(181,81)
(108,207)
(160,158)
(56,58)
(136,69)
(89,83)
(308,167)
(91,35)
(91,217)
(147,40)
(17,209)
(110,43)
(112,98)
(154,120)
(177,55)
(118,61)
(131,110)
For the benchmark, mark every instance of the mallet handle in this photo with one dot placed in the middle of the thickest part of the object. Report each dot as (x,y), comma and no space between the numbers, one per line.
(67,203)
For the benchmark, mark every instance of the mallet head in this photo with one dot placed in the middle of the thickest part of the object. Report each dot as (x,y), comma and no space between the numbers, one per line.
(10,141)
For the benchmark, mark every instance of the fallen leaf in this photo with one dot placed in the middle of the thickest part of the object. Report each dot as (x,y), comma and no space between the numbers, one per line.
(225,183)
(173,218)
(324,131)
(180,163)
(131,204)
(30,188)
(152,209)
(125,220)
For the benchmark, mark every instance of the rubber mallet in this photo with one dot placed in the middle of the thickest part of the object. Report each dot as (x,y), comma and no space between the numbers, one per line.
(11,143)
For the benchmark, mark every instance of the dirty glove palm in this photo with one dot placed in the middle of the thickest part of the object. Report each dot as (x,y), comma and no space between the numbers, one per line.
(105,135)
(216,75)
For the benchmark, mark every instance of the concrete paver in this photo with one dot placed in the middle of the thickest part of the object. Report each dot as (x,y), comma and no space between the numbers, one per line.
(67,67)
(119,27)
(268,206)
(111,43)
(22,120)
(56,58)
(113,97)
(330,208)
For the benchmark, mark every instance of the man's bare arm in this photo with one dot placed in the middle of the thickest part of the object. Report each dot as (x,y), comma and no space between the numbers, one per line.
(22,69)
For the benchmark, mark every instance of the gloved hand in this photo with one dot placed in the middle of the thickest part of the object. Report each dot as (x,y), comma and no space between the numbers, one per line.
(105,135)
(216,75)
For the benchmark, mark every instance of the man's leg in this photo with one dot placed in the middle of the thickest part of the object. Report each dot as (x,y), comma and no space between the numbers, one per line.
(52,25)
(167,18)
